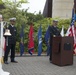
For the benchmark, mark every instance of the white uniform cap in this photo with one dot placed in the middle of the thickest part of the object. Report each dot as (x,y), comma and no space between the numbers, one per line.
(12,19)
(55,20)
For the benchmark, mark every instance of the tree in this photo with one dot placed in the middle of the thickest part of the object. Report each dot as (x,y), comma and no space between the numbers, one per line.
(12,10)
(1,2)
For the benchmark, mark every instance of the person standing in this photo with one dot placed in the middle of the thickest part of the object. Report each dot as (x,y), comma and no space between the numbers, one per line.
(54,31)
(11,42)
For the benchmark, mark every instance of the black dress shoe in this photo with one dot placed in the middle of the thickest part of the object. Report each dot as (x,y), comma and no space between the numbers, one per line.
(14,61)
(6,62)
(50,60)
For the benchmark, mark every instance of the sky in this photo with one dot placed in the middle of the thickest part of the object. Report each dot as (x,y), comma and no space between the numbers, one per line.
(34,6)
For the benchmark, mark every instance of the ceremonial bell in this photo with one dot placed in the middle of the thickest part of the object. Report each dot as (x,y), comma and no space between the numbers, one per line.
(7,32)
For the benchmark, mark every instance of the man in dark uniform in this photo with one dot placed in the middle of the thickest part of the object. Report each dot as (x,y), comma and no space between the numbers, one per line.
(54,31)
(11,42)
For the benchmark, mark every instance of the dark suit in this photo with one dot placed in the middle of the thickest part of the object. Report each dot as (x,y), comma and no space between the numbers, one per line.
(11,44)
(54,31)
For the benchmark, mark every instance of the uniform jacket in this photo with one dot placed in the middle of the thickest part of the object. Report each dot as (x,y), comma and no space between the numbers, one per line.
(12,38)
(54,31)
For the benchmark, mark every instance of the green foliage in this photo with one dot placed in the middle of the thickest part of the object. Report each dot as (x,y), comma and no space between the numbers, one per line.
(1,2)
(23,1)
(33,18)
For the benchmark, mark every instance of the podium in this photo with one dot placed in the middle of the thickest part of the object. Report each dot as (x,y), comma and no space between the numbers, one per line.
(62,50)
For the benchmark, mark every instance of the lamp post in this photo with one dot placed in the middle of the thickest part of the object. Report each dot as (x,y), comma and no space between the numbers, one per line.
(1,48)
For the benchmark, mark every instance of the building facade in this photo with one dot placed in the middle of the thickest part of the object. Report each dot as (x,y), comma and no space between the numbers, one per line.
(58,8)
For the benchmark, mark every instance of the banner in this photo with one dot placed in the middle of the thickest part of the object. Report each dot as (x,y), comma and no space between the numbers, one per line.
(62,31)
(39,41)
(22,40)
(72,30)
(31,40)
(47,40)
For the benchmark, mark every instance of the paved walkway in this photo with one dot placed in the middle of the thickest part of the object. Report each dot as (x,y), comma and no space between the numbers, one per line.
(38,66)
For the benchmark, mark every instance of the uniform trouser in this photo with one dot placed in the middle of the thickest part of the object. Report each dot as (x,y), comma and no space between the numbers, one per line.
(8,48)
(50,53)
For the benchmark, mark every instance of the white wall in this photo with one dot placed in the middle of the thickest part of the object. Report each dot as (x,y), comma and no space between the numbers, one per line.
(62,8)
